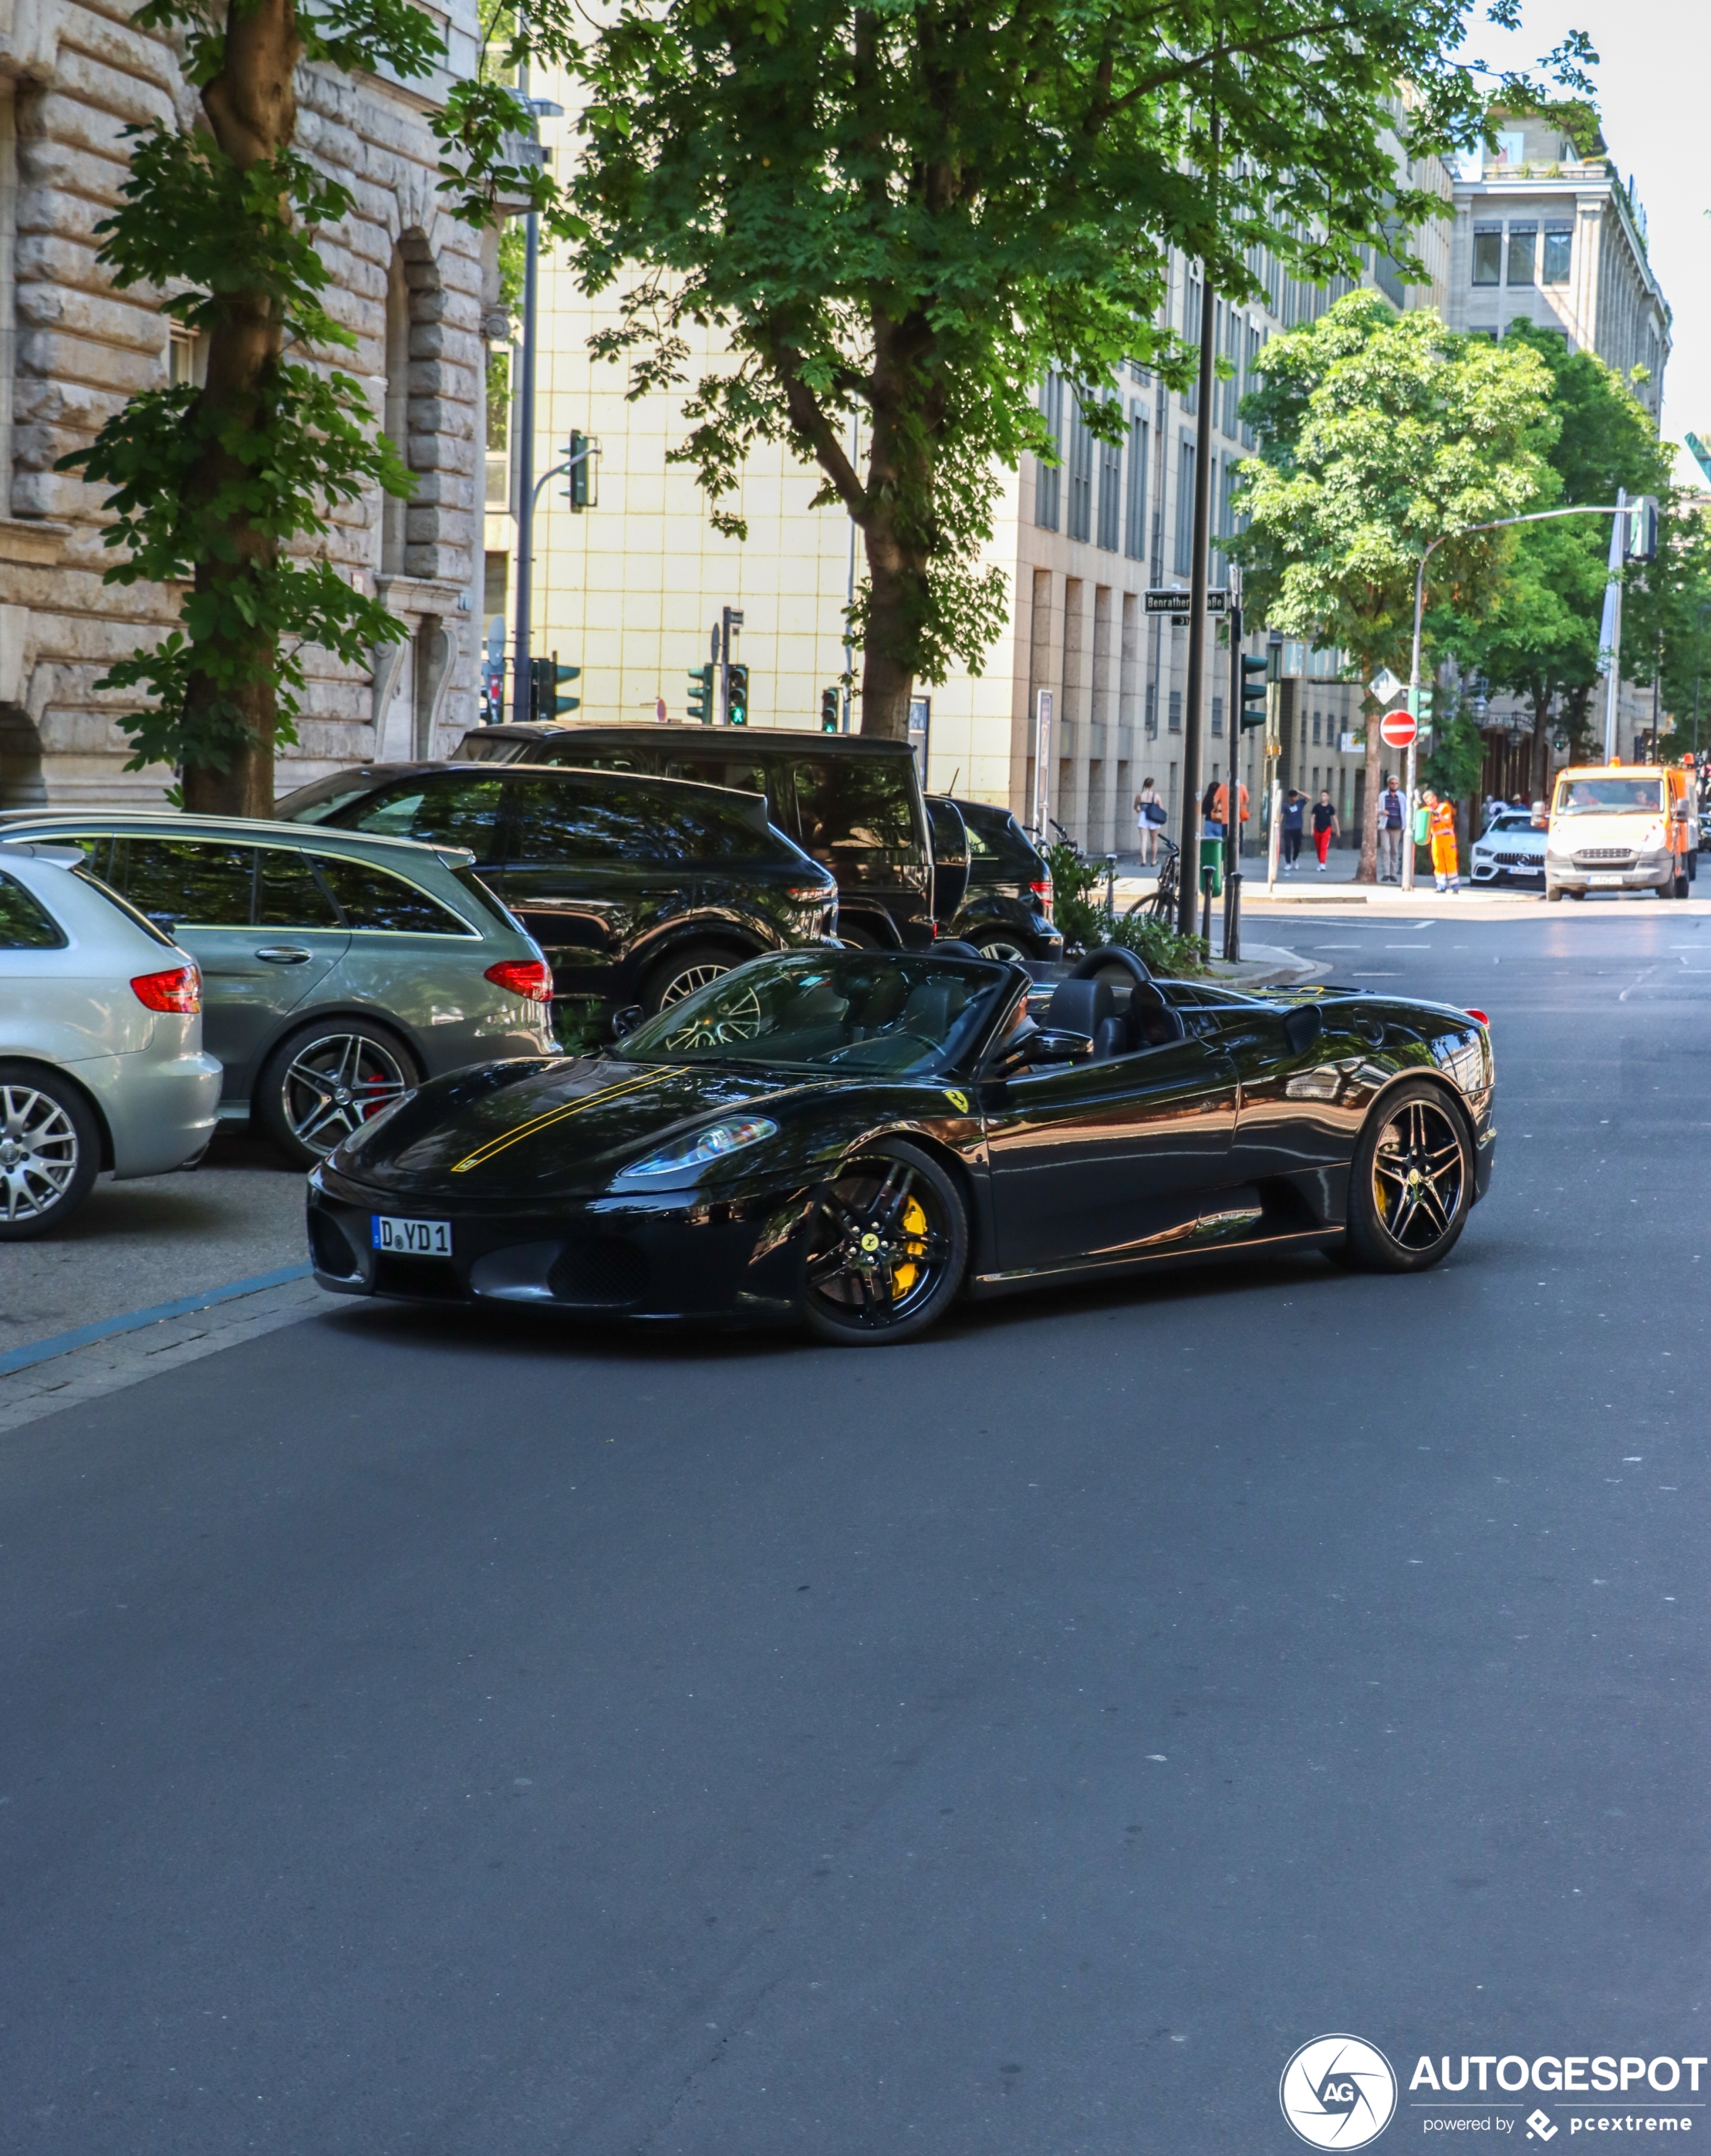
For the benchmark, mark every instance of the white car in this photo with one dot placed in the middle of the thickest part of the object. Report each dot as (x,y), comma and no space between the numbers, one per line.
(101,1063)
(1510,849)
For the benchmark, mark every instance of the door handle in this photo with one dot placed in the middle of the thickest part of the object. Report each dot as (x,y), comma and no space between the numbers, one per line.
(283,954)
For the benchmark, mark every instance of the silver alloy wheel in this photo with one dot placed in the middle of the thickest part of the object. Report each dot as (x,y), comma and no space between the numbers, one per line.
(335,1083)
(1418,1166)
(39,1152)
(1005,948)
(689,980)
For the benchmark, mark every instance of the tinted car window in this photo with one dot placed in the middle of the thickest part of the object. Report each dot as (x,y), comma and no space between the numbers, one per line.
(552,823)
(287,894)
(747,774)
(196,883)
(1001,847)
(453,810)
(853,805)
(25,923)
(370,897)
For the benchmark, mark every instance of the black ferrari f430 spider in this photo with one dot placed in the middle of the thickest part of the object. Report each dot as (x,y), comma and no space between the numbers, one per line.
(854,1138)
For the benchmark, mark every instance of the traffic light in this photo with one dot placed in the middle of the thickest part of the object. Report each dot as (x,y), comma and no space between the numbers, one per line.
(736,695)
(829,701)
(700,694)
(1255,675)
(1642,530)
(544,676)
(582,456)
(1419,703)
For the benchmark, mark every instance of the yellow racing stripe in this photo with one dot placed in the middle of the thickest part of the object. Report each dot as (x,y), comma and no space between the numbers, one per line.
(484,1153)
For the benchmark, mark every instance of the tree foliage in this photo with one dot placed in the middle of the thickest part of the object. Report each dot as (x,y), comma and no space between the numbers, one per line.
(1380,433)
(914,212)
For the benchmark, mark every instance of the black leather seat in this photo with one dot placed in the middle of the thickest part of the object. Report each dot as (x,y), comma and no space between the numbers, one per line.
(1081,1007)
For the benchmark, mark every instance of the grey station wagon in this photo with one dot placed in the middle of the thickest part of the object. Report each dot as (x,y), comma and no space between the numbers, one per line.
(338,971)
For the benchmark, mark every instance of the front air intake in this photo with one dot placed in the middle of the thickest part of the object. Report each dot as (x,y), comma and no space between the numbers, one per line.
(605,1273)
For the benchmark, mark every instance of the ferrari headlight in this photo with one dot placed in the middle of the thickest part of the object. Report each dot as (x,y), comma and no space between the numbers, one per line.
(696,1148)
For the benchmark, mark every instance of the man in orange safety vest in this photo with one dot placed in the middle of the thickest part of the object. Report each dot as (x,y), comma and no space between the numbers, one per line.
(1440,829)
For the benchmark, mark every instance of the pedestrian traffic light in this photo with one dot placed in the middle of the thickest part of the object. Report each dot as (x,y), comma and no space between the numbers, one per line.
(700,694)
(1255,675)
(736,695)
(829,701)
(544,676)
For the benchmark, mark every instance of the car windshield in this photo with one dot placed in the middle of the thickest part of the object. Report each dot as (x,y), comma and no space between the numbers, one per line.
(856,1011)
(1515,821)
(1609,797)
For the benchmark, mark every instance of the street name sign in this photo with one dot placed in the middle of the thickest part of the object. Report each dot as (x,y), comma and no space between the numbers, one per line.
(1165,599)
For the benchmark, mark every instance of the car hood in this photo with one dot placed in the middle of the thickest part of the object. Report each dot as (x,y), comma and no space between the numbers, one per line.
(510,1130)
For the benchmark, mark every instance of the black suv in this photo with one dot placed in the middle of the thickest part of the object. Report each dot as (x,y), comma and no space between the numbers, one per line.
(1004,908)
(637,889)
(853,805)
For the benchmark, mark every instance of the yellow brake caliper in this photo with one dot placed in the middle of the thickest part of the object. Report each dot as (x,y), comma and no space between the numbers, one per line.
(914,1226)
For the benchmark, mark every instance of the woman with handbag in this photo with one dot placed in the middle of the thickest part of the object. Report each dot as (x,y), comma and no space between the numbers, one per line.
(1150,819)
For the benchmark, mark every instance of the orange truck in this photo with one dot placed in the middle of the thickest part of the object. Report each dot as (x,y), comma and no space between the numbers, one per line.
(1621,827)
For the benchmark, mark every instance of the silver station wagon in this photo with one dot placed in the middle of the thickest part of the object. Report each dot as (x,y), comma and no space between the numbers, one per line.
(338,970)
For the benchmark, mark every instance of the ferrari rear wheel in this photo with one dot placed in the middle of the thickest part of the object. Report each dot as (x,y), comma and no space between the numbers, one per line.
(887,1247)
(1411,1182)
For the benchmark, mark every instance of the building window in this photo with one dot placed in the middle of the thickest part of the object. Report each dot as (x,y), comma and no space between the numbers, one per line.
(1134,539)
(1192,309)
(1317,722)
(1217,715)
(1175,708)
(497,492)
(1487,253)
(1081,475)
(1110,493)
(1186,508)
(1558,252)
(187,356)
(1152,711)
(1523,246)
(1048,479)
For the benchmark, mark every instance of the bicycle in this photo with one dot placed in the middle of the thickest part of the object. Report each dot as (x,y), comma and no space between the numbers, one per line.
(1161,902)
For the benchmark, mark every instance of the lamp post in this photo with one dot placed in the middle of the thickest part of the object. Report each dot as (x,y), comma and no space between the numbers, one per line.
(1620,507)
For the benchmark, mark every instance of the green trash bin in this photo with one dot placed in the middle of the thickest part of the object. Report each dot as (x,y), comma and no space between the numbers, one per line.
(1212,867)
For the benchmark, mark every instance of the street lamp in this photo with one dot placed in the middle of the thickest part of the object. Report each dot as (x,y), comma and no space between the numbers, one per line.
(1618,508)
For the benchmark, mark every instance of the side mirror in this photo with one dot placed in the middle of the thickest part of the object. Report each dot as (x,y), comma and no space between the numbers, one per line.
(1303,1027)
(624,1021)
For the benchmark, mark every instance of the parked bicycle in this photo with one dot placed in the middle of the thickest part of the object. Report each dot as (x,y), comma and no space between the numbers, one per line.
(1161,902)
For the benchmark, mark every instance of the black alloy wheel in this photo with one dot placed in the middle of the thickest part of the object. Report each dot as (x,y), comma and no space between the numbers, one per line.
(887,1247)
(696,966)
(50,1150)
(1411,1181)
(325,1081)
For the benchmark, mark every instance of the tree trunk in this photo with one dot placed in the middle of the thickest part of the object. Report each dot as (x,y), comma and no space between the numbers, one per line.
(252,110)
(1541,746)
(1367,869)
(896,589)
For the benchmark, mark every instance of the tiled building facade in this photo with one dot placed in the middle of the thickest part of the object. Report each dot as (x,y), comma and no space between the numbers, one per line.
(406,279)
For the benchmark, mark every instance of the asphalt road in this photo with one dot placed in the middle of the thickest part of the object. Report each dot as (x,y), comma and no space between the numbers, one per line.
(426,1736)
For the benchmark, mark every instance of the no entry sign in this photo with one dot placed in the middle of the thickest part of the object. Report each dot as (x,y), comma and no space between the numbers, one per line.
(1396,729)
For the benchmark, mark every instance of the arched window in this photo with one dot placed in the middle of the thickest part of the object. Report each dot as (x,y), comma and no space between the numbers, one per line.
(412,308)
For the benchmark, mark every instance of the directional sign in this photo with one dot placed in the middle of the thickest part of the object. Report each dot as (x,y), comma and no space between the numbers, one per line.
(1165,599)
(1384,684)
(1396,729)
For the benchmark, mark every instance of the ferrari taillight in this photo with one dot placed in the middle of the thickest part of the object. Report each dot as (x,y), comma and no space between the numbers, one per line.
(531,979)
(179,989)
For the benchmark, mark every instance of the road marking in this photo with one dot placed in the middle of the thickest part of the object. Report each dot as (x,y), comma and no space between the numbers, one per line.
(1408,947)
(61,1344)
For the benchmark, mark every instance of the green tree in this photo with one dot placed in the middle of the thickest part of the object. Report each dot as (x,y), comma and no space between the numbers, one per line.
(1539,640)
(1380,433)
(912,212)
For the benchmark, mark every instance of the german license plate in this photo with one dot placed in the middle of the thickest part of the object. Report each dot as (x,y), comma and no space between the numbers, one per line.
(411,1239)
(1606,876)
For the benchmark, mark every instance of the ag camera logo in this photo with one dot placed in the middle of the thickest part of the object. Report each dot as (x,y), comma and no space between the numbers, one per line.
(1337,2093)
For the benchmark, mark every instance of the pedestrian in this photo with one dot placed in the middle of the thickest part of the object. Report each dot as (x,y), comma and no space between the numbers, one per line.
(1325,826)
(1220,806)
(1441,823)
(1150,819)
(1392,815)
(1211,825)
(1294,811)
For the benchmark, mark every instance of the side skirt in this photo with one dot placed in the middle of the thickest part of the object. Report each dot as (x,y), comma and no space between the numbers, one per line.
(982,1287)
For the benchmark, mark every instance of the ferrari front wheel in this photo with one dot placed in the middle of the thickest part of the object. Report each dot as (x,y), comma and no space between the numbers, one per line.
(887,1247)
(1411,1181)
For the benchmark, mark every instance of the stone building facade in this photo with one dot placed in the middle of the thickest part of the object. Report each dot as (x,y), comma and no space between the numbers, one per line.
(412,284)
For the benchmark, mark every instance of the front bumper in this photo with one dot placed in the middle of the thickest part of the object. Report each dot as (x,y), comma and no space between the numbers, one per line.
(670,1255)
(1486,871)
(1644,875)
